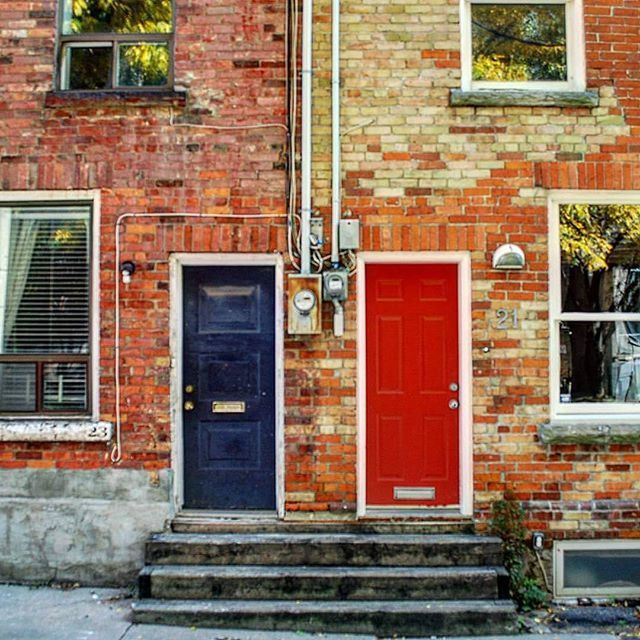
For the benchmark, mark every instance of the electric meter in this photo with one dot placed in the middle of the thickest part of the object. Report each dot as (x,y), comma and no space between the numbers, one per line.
(304,301)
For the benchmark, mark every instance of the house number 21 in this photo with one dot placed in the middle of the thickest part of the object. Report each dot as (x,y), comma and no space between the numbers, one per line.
(507,318)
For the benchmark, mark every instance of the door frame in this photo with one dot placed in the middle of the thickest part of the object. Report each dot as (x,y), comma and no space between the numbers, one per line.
(463,261)
(177,262)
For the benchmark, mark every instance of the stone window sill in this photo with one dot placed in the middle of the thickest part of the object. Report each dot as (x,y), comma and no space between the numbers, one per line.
(577,432)
(523,98)
(150,97)
(44,430)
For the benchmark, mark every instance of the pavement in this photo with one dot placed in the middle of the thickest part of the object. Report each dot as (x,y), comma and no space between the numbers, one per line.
(48,613)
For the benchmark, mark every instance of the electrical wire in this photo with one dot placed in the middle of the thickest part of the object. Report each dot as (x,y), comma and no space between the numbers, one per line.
(355,127)
(220,127)
(116,451)
(543,570)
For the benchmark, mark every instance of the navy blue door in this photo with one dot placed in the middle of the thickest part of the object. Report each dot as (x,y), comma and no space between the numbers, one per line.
(229,387)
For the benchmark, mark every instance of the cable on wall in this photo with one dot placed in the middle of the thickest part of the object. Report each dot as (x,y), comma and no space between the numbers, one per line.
(116,451)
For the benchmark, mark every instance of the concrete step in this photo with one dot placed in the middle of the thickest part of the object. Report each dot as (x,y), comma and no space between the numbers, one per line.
(415,618)
(320,583)
(332,549)
(187,522)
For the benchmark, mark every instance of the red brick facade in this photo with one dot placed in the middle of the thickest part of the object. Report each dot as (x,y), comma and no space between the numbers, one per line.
(419,174)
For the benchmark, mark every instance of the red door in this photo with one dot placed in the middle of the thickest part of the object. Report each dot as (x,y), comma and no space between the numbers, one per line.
(412,382)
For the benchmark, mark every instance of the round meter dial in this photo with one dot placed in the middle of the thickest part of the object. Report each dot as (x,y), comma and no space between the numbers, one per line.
(304,300)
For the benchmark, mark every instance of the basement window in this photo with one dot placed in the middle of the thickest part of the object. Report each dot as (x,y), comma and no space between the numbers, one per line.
(513,45)
(597,568)
(120,44)
(45,293)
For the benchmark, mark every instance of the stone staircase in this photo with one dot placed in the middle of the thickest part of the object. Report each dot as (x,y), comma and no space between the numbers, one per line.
(385,579)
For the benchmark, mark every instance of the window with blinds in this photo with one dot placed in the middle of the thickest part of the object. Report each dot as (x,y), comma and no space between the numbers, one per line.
(45,309)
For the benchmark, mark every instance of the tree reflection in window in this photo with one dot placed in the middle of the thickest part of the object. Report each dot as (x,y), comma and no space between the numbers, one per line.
(600,355)
(519,42)
(116,43)
(117,16)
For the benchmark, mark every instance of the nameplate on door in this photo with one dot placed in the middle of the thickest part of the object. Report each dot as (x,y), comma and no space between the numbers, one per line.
(228,407)
(414,493)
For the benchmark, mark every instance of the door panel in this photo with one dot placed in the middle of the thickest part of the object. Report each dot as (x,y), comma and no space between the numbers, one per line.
(412,359)
(229,379)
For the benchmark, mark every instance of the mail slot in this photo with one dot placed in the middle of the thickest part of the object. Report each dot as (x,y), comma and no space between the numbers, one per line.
(414,493)
(228,407)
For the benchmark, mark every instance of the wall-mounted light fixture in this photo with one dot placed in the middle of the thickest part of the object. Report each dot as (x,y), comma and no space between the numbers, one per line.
(508,256)
(127,269)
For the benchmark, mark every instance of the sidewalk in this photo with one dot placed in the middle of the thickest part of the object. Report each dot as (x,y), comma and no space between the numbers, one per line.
(45,613)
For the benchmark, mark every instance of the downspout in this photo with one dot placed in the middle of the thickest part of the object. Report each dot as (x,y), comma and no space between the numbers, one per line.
(336,176)
(336,200)
(305,170)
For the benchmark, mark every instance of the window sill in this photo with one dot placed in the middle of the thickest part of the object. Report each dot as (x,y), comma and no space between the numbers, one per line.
(59,430)
(579,432)
(141,97)
(523,98)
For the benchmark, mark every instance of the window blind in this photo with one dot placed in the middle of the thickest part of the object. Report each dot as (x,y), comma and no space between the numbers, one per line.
(45,307)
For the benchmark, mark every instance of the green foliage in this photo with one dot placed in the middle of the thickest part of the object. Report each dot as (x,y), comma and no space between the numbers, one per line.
(518,42)
(144,65)
(508,523)
(591,234)
(120,16)
(496,68)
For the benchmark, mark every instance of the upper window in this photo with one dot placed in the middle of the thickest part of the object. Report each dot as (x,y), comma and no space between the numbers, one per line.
(595,308)
(522,45)
(115,44)
(45,341)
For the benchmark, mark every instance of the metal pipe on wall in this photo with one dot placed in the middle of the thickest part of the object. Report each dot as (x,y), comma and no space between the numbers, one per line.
(306,145)
(336,177)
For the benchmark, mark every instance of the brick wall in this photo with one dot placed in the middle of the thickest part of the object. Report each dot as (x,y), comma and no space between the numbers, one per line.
(422,175)
(419,174)
(150,154)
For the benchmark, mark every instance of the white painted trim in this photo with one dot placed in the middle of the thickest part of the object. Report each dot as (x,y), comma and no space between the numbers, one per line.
(96,258)
(463,260)
(55,431)
(27,197)
(92,197)
(559,549)
(5,230)
(614,411)
(576,65)
(176,263)
(175,384)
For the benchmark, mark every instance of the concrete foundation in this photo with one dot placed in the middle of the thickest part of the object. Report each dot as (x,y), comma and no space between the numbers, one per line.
(80,526)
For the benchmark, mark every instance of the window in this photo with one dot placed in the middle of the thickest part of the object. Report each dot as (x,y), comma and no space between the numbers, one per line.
(522,45)
(45,292)
(597,568)
(595,307)
(115,44)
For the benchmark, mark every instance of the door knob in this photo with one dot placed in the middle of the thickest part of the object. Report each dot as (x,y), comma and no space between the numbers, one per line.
(189,406)
(453,404)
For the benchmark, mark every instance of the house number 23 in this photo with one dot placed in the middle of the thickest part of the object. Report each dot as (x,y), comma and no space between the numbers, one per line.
(507,318)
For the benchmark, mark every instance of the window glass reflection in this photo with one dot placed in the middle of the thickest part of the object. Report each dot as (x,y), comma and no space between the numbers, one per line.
(518,42)
(600,247)
(116,16)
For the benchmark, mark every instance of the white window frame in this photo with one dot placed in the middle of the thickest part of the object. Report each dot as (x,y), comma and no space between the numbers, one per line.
(559,549)
(92,198)
(614,411)
(576,75)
